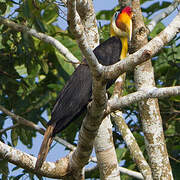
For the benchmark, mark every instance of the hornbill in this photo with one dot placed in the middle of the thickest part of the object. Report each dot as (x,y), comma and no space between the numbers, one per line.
(76,94)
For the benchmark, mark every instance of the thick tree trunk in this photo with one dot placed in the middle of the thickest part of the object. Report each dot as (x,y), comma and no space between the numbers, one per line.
(149,109)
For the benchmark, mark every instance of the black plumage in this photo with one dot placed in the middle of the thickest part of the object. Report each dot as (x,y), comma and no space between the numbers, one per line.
(76,94)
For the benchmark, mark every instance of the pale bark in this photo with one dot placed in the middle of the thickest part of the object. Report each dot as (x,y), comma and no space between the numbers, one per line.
(78,31)
(64,1)
(123,170)
(156,19)
(49,169)
(134,174)
(149,109)
(124,101)
(92,120)
(126,133)
(105,152)
(133,146)
(87,14)
(143,94)
(142,55)
(124,3)
(26,161)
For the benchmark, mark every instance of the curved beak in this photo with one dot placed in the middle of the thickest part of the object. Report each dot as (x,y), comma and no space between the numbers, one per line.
(124,23)
(129,29)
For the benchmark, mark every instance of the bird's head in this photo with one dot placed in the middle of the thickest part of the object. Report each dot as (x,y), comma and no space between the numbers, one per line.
(121,23)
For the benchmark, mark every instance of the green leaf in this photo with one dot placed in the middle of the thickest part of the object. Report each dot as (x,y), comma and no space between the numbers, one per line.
(14,137)
(50,14)
(26,9)
(175,98)
(33,69)
(45,67)
(105,15)
(39,25)
(21,69)
(120,153)
(4,168)
(158,28)
(23,136)
(139,138)
(55,87)
(68,67)
(3,7)
(171,129)
(155,7)
(70,44)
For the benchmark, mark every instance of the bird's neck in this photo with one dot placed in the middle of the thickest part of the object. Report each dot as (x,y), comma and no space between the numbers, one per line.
(124,51)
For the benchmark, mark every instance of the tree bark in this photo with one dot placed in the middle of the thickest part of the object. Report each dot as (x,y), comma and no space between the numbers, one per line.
(105,152)
(128,137)
(149,109)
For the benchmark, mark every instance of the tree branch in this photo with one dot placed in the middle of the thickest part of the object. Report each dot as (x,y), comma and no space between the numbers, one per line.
(86,12)
(77,29)
(123,170)
(128,137)
(21,121)
(64,2)
(93,119)
(89,129)
(131,173)
(54,170)
(132,145)
(118,103)
(48,39)
(166,12)
(149,108)
(8,128)
(95,109)
(26,161)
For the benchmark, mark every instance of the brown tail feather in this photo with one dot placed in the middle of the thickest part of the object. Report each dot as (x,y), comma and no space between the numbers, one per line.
(47,141)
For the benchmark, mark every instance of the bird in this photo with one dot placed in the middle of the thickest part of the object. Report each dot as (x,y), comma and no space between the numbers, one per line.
(77,92)
(121,26)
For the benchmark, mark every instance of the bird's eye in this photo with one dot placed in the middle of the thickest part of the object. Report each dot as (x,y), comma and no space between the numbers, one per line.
(116,15)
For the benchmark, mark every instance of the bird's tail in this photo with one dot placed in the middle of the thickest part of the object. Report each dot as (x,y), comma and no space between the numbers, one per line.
(47,141)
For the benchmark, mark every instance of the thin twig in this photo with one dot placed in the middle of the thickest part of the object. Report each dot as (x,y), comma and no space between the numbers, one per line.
(123,170)
(131,173)
(8,128)
(22,121)
(178,161)
(46,38)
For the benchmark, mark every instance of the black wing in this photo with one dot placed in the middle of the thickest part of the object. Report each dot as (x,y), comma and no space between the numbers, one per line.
(76,94)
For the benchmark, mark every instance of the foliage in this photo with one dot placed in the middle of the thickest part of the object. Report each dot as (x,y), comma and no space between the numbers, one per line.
(33,72)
